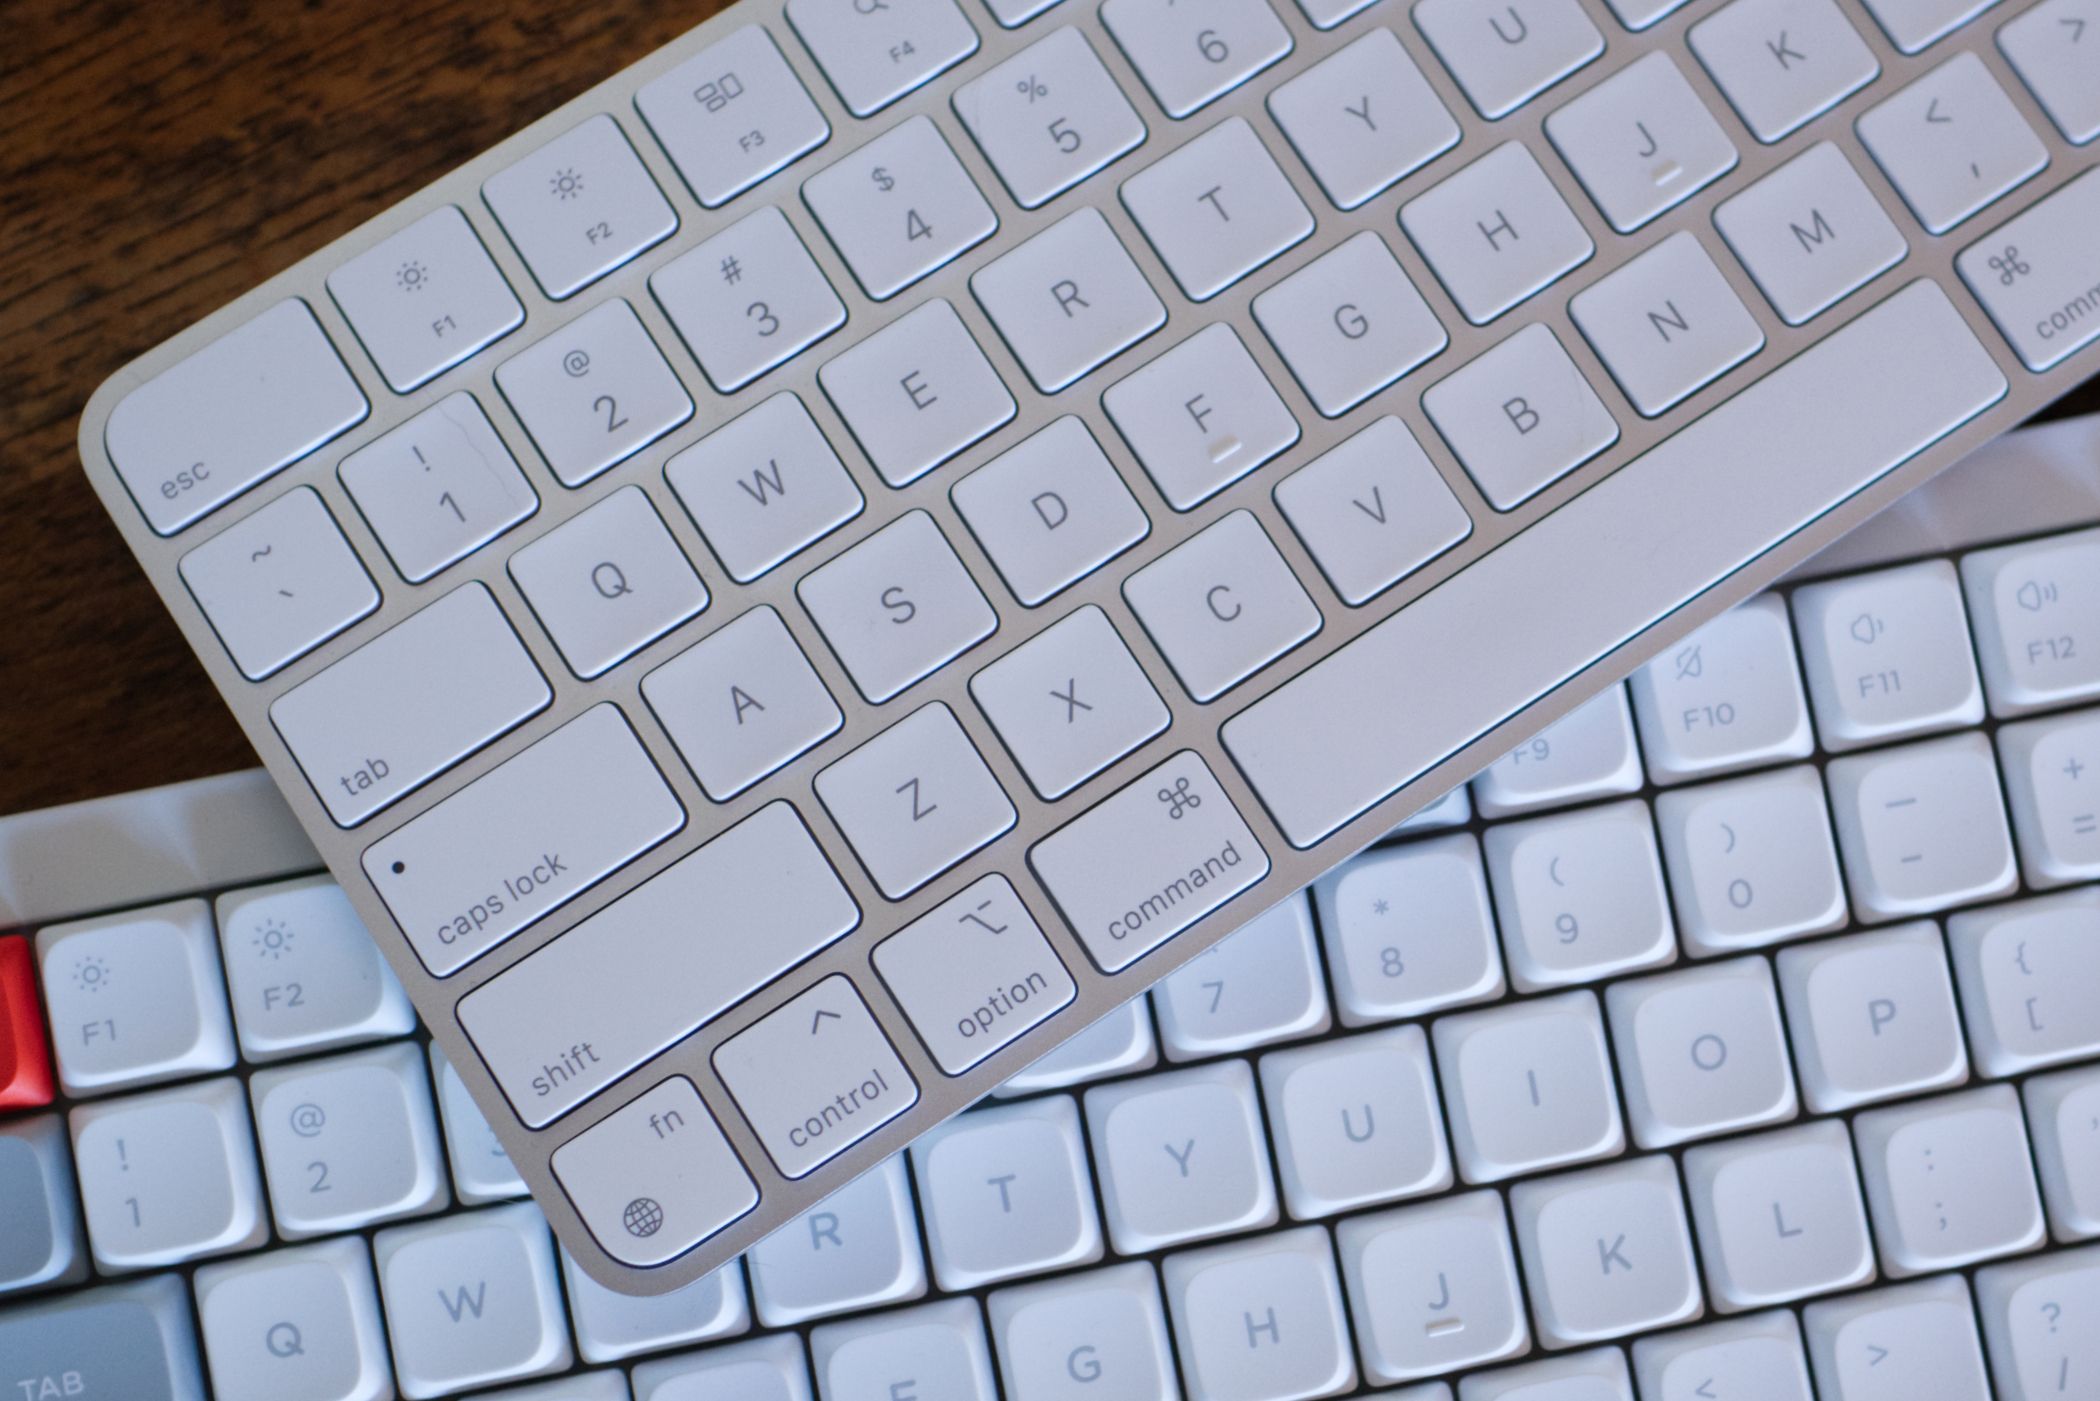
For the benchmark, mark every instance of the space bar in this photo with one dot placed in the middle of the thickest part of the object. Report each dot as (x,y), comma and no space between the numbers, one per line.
(1385,708)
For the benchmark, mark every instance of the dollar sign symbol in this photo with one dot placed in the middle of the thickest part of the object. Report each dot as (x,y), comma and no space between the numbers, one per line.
(884,181)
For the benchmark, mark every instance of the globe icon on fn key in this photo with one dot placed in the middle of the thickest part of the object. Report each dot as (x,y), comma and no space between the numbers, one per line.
(643,1217)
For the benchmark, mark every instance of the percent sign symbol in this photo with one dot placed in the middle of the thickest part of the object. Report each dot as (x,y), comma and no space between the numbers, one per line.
(1031,88)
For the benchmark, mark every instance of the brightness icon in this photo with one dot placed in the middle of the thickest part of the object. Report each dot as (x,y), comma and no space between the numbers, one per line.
(272,939)
(566,184)
(412,276)
(91,974)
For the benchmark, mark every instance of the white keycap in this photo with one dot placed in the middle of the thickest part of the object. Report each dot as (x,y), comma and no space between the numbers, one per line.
(1752,862)
(917,392)
(579,206)
(2063,1119)
(2031,608)
(2025,1308)
(1588,753)
(2044,317)
(1349,323)
(1408,930)
(471,1299)
(2046,47)
(1666,324)
(135,998)
(611,1327)
(608,581)
(748,299)
(1496,232)
(1922,827)
(299,1323)
(1260,1319)
(425,298)
(1520,417)
(1222,605)
(1006,1193)
(1050,510)
(1259,986)
(1218,207)
(856,1249)
(196,435)
(1701,1052)
(1049,117)
(1952,142)
(1433,1287)
(763,487)
(168,1176)
(731,115)
(897,606)
(771,1368)
(304,973)
(1201,416)
(1898,1344)
(1810,233)
(1872,1016)
(741,703)
(1372,510)
(482,1171)
(2052,777)
(1506,56)
(279,583)
(594,393)
(1727,697)
(1607,1251)
(1059,1339)
(438,487)
(1190,58)
(1580,895)
(1528,1086)
(1363,118)
(1783,62)
(1356,1121)
(915,800)
(1326,14)
(1011,14)
(1914,24)
(656,1177)
(348,1141)
(1069,702)
(974,973)
(935,1350)
(1599,1375)
(1949,1180)
(2027,972)
(813,1090)
(1454,809)
(1779,1216)
(1181,1156)
(1068,300)
(1760,1357)
(1641,141)
(1118,1043)
(874,55)
(900,206)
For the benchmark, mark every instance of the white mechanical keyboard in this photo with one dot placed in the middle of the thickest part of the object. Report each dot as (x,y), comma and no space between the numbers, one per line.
(1787,950)
(846,552)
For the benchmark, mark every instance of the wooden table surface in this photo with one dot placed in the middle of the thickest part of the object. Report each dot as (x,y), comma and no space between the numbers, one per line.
(156,160)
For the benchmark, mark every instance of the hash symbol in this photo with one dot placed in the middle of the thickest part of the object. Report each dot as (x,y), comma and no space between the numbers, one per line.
(732,271)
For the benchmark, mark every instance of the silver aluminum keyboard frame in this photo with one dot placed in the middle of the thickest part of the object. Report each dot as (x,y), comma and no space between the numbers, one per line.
(1195,726)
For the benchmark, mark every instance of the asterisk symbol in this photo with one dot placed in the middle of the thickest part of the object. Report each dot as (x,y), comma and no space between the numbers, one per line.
(1379,907)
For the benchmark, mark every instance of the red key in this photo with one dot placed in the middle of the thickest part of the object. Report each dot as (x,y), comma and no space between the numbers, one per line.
(25,1068)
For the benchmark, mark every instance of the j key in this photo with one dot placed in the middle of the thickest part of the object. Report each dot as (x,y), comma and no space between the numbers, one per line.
(471,1300)
(1408,930)
(439,487)
(1727,697)
(900,206)
(1050,510)
(1100,1326)
(1007,1193)
(1433,1287)
(1503,57)
(299,1322)
(169,1176)
(1049,117)
(1641,141)
(1897,1344)
(1701,1052)
(2032,607)
(874,54)
(1363,118)
(1607,1251)
(747,299)
(938,1346)
(1258,986)
(1528,1086)
(1949,1181)
(1356,1122)
(1752,861)
(1191,57)
(135,998)
(2052,777)
(731,115)
(1872,1016)
(1181,1156)
(763,487)
(605,207)
(1783,62)
(1760,1356)
(2021,968)
(425,298)
(1779,1216)
(1260,1318)
(594,393)
(856,1249)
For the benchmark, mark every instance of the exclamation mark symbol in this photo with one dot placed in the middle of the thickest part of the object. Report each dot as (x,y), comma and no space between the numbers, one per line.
(123,1159)
(1533,1077)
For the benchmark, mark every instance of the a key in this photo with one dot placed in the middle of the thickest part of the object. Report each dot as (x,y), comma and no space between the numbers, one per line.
(1372,510)
(579,206)
(425,298)
(1760,1356)
(1408,930)
(1069,702)
(128,1340)
(1068,300)
(1727,697)
(1581,896)
(1607,1251)
(608,581)
(594,393)
(135,998)
(1667,324)
(1922,827)
(2025,1308)
(612,1327)
(471,1299)
(917,392)
(1049,117)
(2047,48)
(169,1176)
(1050,510)
(25,1066)
(1218,207)
(1528,1086)
(43,1244)
(2052,777)
(2063,1122)
(874,54)
(1222,605)
(1520,417)
(897,606)
(303,971)
(900,206)
(1872,1016)
(1259,986)
(1597,1375)
(1363,118)
(2030,607)
(1641,141)
(974,973)
(741,703)
(764,487)
(1752,861)
(1505,57)
(1260,1318)
(482,1171)
(1119,1043)
(915,800)
(1810,233)
(560,1025)
(1497,232)
(1783,62)
(1949,1180)
(856,1249)
(1181,1156)
(748,299)
(731,115)
(1433,1287)
(1952,142)
(299,1322)
(2025,971)
(656,1177)
(1779,1216)
(1200,417)
(1191,57)
(771,1368)
(1349,323)
(1055,1338)
(439,487)
(1589,753)
(348,1141)
(279,583)
(1356,1122)
(1006,1194)
(938,1347)
(1915,24)
(1701,1052)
